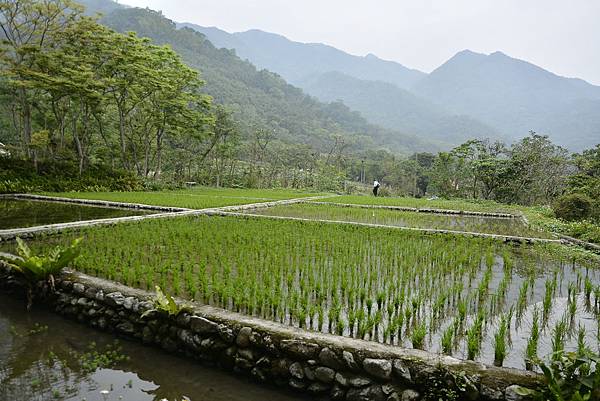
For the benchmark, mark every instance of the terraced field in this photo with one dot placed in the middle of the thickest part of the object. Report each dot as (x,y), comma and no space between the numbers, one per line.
(472,298)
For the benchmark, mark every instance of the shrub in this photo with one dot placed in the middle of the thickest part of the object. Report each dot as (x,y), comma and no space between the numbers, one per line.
(18,175)
(569,377)
(38,272)
(573,207)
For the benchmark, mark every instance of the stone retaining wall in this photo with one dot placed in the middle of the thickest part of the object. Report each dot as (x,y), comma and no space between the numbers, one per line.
(587,245)
(326,366)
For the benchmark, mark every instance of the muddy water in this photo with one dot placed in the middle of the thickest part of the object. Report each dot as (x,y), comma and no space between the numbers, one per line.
(41,359)
(28,213)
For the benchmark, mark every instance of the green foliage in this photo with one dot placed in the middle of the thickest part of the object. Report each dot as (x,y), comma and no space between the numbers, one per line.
(20,176)
(531,171)
(573,207)
(93,358)
(100,97)
(38,272)
(165,303)
(569,377)
(41,268)
(447,385)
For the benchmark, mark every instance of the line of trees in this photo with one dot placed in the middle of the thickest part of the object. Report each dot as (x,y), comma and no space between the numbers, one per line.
(530,171)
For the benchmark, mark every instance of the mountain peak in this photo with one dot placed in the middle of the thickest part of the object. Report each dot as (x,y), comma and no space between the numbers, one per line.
(467,53)
(498,53)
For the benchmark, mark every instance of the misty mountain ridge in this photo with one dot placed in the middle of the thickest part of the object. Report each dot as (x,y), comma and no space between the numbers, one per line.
(295,61)
(391,107)
(493,95)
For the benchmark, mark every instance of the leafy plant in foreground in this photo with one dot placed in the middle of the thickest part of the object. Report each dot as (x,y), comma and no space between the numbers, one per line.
(38,272)
(569,377)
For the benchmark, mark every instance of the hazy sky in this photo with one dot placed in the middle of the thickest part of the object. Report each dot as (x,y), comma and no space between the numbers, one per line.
(562,36)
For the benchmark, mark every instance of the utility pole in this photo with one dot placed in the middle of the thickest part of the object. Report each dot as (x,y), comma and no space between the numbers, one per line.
(362,172)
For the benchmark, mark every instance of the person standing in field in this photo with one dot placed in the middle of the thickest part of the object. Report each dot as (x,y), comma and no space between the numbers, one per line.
(376,186)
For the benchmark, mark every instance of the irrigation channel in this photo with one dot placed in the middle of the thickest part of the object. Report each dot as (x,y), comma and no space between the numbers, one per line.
(45,357)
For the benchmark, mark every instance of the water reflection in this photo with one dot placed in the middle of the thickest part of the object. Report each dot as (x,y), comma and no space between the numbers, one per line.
(41,359)
(27,213)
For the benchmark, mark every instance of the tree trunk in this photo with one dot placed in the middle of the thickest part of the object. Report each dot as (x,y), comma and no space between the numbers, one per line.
(159,136)
(78,146)
(122,138)
(26,116)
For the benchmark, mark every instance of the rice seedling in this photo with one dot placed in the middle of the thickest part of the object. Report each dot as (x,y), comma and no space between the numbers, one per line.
(558,338)
(473,344)
(588,288)
(500,340)
(547,304)
(447,340)
(522,300)
(418,336)
(582,347)
(475,336)
(532,342)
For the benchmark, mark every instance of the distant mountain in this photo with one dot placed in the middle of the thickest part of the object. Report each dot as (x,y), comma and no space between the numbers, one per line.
(515,96)
(262,98)
(387,105)
(296,61)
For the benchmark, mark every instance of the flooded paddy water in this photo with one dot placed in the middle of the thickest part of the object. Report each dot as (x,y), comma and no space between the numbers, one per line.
(17,213)
(399,218)
(45,357)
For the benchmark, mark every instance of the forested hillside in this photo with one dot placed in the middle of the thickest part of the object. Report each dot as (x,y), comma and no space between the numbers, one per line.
(389,106)
(261,99)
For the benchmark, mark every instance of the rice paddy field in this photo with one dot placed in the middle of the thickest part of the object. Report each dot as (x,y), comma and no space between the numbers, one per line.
(448,204)
(472,298)
(193,198)
(399,218)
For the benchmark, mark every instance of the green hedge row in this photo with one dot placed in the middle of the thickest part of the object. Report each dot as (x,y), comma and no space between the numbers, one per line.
(17,176)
